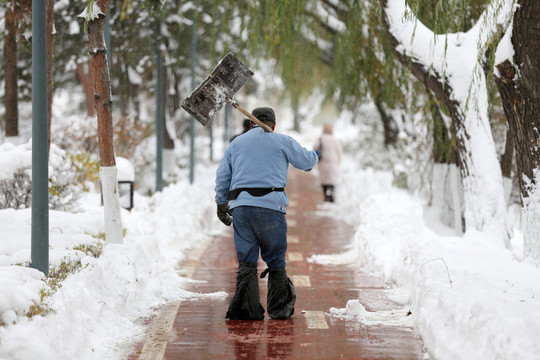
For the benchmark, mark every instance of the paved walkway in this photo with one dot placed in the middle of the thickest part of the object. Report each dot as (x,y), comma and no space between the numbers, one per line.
(197,329)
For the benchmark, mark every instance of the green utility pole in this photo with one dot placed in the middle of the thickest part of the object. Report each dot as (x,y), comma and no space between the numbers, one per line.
(39,257)
(159,111)
(192,122)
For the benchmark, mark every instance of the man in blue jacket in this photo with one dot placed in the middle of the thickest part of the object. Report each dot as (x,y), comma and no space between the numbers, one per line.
(250,182)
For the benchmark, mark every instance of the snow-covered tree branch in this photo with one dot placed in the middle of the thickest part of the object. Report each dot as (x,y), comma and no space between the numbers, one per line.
(450,65)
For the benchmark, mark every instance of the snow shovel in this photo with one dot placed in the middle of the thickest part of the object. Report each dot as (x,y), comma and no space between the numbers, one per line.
(217,89)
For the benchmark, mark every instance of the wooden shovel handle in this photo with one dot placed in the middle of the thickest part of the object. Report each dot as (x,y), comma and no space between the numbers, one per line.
(251,117)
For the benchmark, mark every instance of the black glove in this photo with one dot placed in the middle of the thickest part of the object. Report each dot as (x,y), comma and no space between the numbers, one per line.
(224,214)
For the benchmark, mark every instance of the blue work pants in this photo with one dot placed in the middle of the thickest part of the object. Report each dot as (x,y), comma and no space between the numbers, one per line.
(255,228)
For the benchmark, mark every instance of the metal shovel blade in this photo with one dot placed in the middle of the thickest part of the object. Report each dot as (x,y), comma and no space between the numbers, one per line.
(224,81)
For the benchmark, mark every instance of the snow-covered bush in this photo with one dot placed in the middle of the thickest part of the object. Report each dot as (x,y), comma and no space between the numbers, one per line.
(24,286)
(73,132)
(16,192)
(128,133)
(86,166)
(64,187)
(16,183)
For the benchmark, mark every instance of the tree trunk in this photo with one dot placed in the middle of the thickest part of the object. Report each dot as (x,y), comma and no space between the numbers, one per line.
(123,86)
(102,85)
(521,94)
(169,160)
(508,156)
(447,192)
(168,143)
(444,150)
(11,75)
(174,103)
(297,119)
(86,78)
(102,88)
(390,128)
(134,96)
(519,86)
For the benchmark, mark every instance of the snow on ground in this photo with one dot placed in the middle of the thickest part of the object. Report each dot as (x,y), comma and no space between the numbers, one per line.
(469,297)
(94,314)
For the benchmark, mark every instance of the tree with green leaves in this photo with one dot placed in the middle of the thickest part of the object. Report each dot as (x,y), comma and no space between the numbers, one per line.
(339,47)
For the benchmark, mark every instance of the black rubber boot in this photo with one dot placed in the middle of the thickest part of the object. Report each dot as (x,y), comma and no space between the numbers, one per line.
(281,295)
(245,304)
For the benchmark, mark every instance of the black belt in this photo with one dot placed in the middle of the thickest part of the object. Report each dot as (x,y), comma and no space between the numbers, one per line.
(233,194)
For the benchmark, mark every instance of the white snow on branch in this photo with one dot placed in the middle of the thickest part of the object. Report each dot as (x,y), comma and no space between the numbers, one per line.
(331,20)
(320,43)
(446,51)
(74,28)
(174,19)
(505,50)
(91,14)
(186,7)
(134,76)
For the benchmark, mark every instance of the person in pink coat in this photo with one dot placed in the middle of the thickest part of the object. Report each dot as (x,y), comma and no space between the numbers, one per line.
(331,153)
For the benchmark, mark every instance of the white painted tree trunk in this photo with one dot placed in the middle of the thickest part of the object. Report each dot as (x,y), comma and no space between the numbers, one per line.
(484,195)
(169,161)
(531,223)
(449,56)
(448,195)
(457,198)
(111,204)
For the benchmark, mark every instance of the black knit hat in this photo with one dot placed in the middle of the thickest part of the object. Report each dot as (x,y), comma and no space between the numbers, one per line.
(264,114)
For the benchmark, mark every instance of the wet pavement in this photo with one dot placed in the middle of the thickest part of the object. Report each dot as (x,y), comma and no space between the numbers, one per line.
(197,329)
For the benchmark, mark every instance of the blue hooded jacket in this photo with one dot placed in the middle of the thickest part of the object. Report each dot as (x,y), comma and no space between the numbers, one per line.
(260,159)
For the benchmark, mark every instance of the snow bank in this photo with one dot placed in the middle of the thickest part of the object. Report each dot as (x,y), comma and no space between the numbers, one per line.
(21,287)
(469,297)
(13,158)
(96,313)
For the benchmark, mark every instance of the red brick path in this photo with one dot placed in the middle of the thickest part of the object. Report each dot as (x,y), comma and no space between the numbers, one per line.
(201,332)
